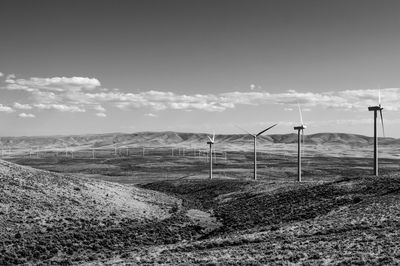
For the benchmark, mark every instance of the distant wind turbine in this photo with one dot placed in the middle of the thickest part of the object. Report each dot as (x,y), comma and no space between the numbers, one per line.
(300,138)
(376,109)
(255,145)
(211,143)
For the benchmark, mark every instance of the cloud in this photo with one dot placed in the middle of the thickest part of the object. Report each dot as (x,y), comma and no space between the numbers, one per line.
(13,86)
(22,106)
(10,78)
(59,107)
(101,114)
(6,109)
(150,115)
(157,100)
(58,84)
(99,108)
(24,115)
(83,82)
(77,94)
(1,74)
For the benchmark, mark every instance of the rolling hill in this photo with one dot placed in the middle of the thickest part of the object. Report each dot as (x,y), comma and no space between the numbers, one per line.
(166,139)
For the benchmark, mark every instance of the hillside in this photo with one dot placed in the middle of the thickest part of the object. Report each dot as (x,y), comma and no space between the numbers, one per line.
(346,222)
(46,216)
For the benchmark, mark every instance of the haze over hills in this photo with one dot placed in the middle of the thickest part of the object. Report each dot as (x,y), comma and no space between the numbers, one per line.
(168,138)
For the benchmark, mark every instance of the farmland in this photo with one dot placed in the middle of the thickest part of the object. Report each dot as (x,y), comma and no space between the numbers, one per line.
(160,165)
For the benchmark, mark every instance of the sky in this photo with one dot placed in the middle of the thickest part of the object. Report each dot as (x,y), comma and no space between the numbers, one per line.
(80,67)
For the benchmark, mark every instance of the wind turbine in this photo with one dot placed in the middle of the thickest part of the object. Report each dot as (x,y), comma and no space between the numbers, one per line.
(255,146)
(300,138)
(211,142)
(376,109)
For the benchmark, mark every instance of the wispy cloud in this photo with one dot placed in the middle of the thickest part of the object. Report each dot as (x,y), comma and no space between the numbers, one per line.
(101,114)
(150,115)
(1,74)
(99,108)
(21,106)
(10,78)
(59,107)
(24,115)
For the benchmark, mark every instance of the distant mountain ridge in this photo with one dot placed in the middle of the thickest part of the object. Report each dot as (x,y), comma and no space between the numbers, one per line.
(169,138)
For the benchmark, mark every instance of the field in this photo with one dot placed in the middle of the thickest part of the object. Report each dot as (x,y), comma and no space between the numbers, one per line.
(159,164)
(160,207)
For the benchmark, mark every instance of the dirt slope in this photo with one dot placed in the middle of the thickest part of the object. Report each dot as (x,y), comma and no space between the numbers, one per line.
(45,215)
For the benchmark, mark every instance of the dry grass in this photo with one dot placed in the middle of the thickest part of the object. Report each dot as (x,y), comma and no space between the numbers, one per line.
(352,221)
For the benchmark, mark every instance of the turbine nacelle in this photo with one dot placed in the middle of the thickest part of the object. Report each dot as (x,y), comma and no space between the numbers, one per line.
(300,127)
(259,133)
(255,140)
(211,139)
(375,108)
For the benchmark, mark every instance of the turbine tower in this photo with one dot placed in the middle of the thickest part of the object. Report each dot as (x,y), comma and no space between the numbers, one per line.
(211,142)
(300,138)
(255,147)
(375,109)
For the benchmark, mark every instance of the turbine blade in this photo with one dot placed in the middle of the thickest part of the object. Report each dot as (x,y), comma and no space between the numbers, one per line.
(383,126)
(379,95)
(245,130)
(301,115)
(213,138)
(265,130)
